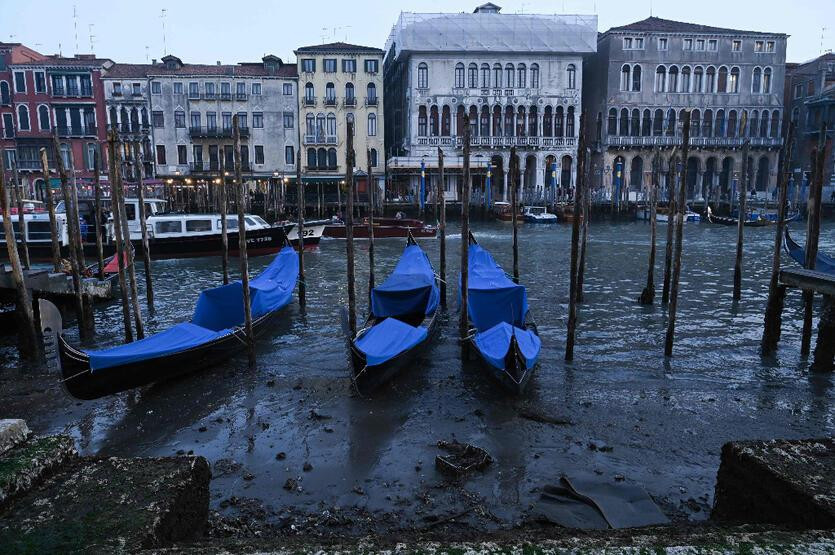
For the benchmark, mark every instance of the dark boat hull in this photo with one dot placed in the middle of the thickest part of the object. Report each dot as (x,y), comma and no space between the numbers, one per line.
(514,365)
(381,232)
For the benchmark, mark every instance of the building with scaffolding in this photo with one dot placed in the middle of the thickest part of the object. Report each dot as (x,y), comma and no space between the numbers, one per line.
(515,77)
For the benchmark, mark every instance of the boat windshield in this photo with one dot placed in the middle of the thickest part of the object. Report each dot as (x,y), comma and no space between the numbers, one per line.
(536,210)
(259,220)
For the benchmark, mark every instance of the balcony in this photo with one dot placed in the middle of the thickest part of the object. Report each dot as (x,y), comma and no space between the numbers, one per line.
(330,101)
(204,166)
(320,139)
(210,96)
(350,101)
(132,128)
(309,101)
(669,140)
(29,165)
(193,95)
(77,131)
(241,97)
(371,101)
(215,132)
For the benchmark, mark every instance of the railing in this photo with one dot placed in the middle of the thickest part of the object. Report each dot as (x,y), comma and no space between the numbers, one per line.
(210,96)
(30,164)
(320,139)
(241,97)
(193,95)
(77,131)
(371,101)
(330,101)
(309,101)
(215,132)
(226,96)
(670,140)
(128,127)
(350,101)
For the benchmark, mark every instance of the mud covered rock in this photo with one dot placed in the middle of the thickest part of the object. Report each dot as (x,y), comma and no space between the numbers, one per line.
(24,466)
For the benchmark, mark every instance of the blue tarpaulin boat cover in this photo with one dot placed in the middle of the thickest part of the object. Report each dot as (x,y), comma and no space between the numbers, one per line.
(410,289)
(493,297)
(823,263)
(388,339)
(218,311)
(495,343)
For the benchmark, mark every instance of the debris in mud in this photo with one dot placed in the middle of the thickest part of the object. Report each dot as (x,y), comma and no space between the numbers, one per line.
(463,458)
(249,476)
(316,415)
(202,429)
(358,490)
(291,484)
(280,456)
(536,416)
(270,383)
(225,467)
(307,466)
(597,445)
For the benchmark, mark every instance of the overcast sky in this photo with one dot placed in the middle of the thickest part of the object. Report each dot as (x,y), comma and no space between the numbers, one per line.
(206,31)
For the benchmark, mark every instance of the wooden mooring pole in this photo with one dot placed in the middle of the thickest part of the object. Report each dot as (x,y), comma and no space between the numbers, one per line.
(98,213)
(442,226)
(128,245)
(50,206)
(776,292)
(349,227)
(671,207)
(300,210)
(813,235)
(370,225)
(241,202)
(742,215)
(514,183)
(224,224)
(584,228)
(114,156)
(28,345)
(139,161)
(679,222)
(21,221)
(464,323)
(575,244)
(648,294)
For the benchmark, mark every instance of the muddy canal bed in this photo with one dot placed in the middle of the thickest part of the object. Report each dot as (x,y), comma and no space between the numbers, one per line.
(292,447)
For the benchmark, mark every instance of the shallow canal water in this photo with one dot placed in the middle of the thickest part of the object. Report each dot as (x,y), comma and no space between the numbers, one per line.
(631,415)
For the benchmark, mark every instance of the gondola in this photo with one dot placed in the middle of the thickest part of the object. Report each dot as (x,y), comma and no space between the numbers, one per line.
(402,321)
(823,263)
(754,220)
(502,331)
(214,333)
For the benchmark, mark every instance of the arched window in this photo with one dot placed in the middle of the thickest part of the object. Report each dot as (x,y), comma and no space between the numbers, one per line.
(572,76)
(371,93)
(509,76)
(349,93)
(698,79)
(446,121)
(672,79)
(695,123)
(710,80)
(707,124)
(472,76)
(43,118)
(433,121)
(795,114)
(422,128)
(612,125)
(658,123)
(722,81)
(646,125)
(423,76)
(636,123)
(754,124)
(732,123)
(331,158)
(310,125)
(322,158)
(330,93)
(636,173)
(775,123)
(733,81)
(719,130)
(625,77)
(144,117)
(309,93)
(473,119)
(623,129)
(320,128)
(636,78)
(534,76)
(520,121)
(23,118)
(671,122)
(65,155)
(685,79)
(459,75)
(331,129)
(532,122)
(497,76)
(485,76)
(484,122)
(114,116)
(521,76)
(767,80)
(311,158)
(660,78)
(559,121)
(569,122)
(373,157)
(547,122)
(756,80)
(5,97)
(764,124)
(509,118)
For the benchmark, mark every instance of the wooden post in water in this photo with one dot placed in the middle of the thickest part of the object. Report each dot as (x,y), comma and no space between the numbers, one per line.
(648,294)
(575,242)
(442,226)
(514,208)
(72,229)
(241,202)
(776,293)
(349,227)
(50,205)
(224,224)
(370,226)
(742,215)
(128,246)
(813,235)
(115,164)
(464,324)
(139,160)
(21,221)
(28,345)
(97,213)
(300,210)
(671,207)
(584,227)
(679,220)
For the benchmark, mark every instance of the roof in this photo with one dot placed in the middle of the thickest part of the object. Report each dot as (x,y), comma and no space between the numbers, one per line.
(337,47)
(493,32)
(79,60)
(656,24)
(246,69)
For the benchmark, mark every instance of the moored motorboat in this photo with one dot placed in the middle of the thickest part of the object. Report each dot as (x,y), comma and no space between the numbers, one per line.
(214,333)
(823,263)
(538,215)
(662,215)
(502,331)
(385,229)
(402,321)
(501,211)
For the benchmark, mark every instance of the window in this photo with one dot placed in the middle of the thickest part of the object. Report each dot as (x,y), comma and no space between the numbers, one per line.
(711,44)
(182,155)
(472,76)
(625,77)
(211,121)
(372,125)
(572,76)
(767,80)
(350,96)
(5,96)
(23,118)
(194,90)
(660,79)
(65,155)
(662,43)
(178,88)
(639,43)
(798,91)
(240,90)
(330,94)
(756,80)
(722,82)
(168,226)
(672,79)
(372,157)
(58,86)
(521,76)
(309,94)
(40,82)
(627,43)
(161,154)
(423,76)
(349,65)
(256,89)
(758,45)
(311,157)
(700,44)
(308,65)
(43,118)
(136,89)
(90,156)
(242,120)
(258,120)
(422,131)
(736,46)
(287,89)
(710,80)
(198,225)
(259,154)
(226,120)
(288,120)
(332,124)
(534,76)
(372,66)
(195,120)
(8,126)
(485,76)
(332,158)
(497,76)
(156,87)
(329,65)
(157,119)
(569,122)
(197,152)
(179,119)
(509,72)
(685,79)
(769,46)
(289,156)
(810,88)
(459,76)
(687,44)
(19,82)
(733,80)
(698,78)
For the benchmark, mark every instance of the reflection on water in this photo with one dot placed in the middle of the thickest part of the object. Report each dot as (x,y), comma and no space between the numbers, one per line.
(664,421)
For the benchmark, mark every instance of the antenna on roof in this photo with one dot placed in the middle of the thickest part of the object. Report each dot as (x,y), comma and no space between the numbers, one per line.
(823,35)
(75,26)
(164,46)
(324,34)
(650,8)
(92,36)
(147,53)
